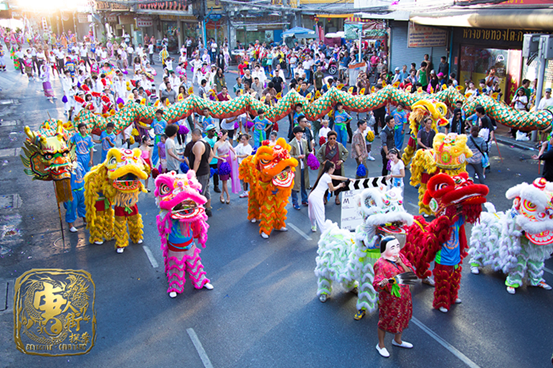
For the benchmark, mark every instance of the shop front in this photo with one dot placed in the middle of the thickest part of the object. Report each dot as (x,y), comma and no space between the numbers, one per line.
(477,52)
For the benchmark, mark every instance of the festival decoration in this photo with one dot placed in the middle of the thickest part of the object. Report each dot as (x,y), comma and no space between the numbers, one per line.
(181,219)
(349,258)
(519,240)
(448,156)
(270,173)
(115,182)
(454,201)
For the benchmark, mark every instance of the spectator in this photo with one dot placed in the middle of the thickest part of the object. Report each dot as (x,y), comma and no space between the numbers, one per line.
(379,113)
(546,154)
(457,123)
(397,169)
(173,160)
(257,87)
(425,137)
(200,157)
(219,80)
(333,151)
(359,147)
(238,86)
(546,101)
(444,66)
(422,75)
(301,179)
(478,147)
(404,74)
(169,93)
(388,142)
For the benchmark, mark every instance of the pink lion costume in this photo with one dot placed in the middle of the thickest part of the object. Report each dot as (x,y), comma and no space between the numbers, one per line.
(181,219)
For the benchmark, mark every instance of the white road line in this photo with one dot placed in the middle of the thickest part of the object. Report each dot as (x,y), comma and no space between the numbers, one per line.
(305,236)
(413,205)
(199,348)
(445,344)
(548,270)
(150,256)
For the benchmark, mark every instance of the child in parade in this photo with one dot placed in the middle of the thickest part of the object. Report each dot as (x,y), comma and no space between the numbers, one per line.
(76,206)
(107,140)
(158,125)
(145,154)
(261,125)
(243,149)
(83,142)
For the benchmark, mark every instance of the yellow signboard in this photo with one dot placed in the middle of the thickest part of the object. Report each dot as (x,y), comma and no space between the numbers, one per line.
(54,312)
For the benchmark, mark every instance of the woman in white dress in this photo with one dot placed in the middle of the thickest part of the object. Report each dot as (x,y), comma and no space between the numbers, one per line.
(316,197)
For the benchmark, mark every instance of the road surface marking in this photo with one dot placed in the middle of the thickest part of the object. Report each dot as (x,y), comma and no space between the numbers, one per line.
(548,270)
(199,348)
(414,205)
(305,236)
(150,256)
(445,344)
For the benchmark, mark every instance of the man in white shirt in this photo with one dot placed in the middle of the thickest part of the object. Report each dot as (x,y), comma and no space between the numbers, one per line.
(130,52)
(546,101)
(151,53)
(83,51)
(104,54)
(197,65)
(174,80)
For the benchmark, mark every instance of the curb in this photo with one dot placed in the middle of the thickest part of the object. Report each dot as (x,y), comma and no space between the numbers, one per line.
(514,143)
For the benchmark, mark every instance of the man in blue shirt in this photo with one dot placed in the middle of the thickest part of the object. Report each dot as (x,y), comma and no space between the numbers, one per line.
(76,206)
(158,125)
(107,140)
(400,119)
(84,144)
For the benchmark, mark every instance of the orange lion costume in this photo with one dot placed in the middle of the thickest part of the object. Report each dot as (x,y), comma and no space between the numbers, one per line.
(270,173)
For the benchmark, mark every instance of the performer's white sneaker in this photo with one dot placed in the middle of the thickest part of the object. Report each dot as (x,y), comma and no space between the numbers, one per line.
(284,228)
(99,242)
(323,298)
(253,221)
(264,236)
(383,351)
(120,250)
(511,290)
(429,281)
(443,310)
(208,286)
(404,344)
(73,229)
(314,229)
(458,301)
(474,270)
(173,294)
(140,241)
(542,284)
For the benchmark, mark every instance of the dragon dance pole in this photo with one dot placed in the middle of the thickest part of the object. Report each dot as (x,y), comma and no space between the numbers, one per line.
(59,214)
(497,146)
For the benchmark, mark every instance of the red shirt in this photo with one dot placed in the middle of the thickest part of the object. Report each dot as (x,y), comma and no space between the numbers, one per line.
(241,68)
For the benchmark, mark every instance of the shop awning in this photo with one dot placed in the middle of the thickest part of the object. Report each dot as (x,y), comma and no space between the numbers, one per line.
(530,19)
(400,15)
(334,15)
(298,31)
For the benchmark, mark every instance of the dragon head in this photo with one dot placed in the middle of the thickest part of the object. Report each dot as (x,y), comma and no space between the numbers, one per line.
(275,164)
(125,168)
(447,195)
(451,151)
(383,210)
(49,156)
(179,195)
(533,204)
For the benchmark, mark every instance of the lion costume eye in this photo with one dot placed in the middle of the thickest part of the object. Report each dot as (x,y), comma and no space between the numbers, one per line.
(441,186)
(265,162)
(48,156)
(113,161)
(164,189)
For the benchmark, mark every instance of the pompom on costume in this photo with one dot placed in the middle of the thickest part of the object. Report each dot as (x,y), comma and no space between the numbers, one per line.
(115,182)
(448,155)
(181,219)
(454,201)
(518,241)
(270,173)
(349,258)
(49,156)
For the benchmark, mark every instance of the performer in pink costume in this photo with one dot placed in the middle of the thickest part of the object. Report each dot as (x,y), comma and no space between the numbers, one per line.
(181,219)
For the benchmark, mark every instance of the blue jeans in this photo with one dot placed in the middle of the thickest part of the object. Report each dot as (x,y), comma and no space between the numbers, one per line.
(342,133)
(303,191)
(75,207)
(398,137)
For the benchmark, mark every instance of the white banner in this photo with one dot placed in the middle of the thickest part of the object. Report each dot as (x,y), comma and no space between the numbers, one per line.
(350,217)
(144,22)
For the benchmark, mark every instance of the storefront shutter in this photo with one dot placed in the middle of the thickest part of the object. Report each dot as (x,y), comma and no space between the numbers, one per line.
(403,55)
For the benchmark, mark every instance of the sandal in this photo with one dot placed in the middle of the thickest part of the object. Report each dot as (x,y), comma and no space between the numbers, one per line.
(222,199)
(228,201)
(337,202)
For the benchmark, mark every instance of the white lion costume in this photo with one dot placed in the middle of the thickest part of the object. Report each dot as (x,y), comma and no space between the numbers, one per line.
(349,258)
(518,241)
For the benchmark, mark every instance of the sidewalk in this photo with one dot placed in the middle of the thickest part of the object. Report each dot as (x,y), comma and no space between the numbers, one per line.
(503,135)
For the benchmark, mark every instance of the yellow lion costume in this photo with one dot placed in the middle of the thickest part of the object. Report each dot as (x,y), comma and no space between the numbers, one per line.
(448,156)
(115,182)
(270,173)
(419,110)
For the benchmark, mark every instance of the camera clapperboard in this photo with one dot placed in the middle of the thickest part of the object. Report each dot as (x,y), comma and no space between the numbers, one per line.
(350,217)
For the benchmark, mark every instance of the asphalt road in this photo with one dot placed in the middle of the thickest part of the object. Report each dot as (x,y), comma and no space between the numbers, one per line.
(263,311)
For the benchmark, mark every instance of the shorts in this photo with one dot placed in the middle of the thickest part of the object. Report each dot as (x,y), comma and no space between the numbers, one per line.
(204,181)
(230,134)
